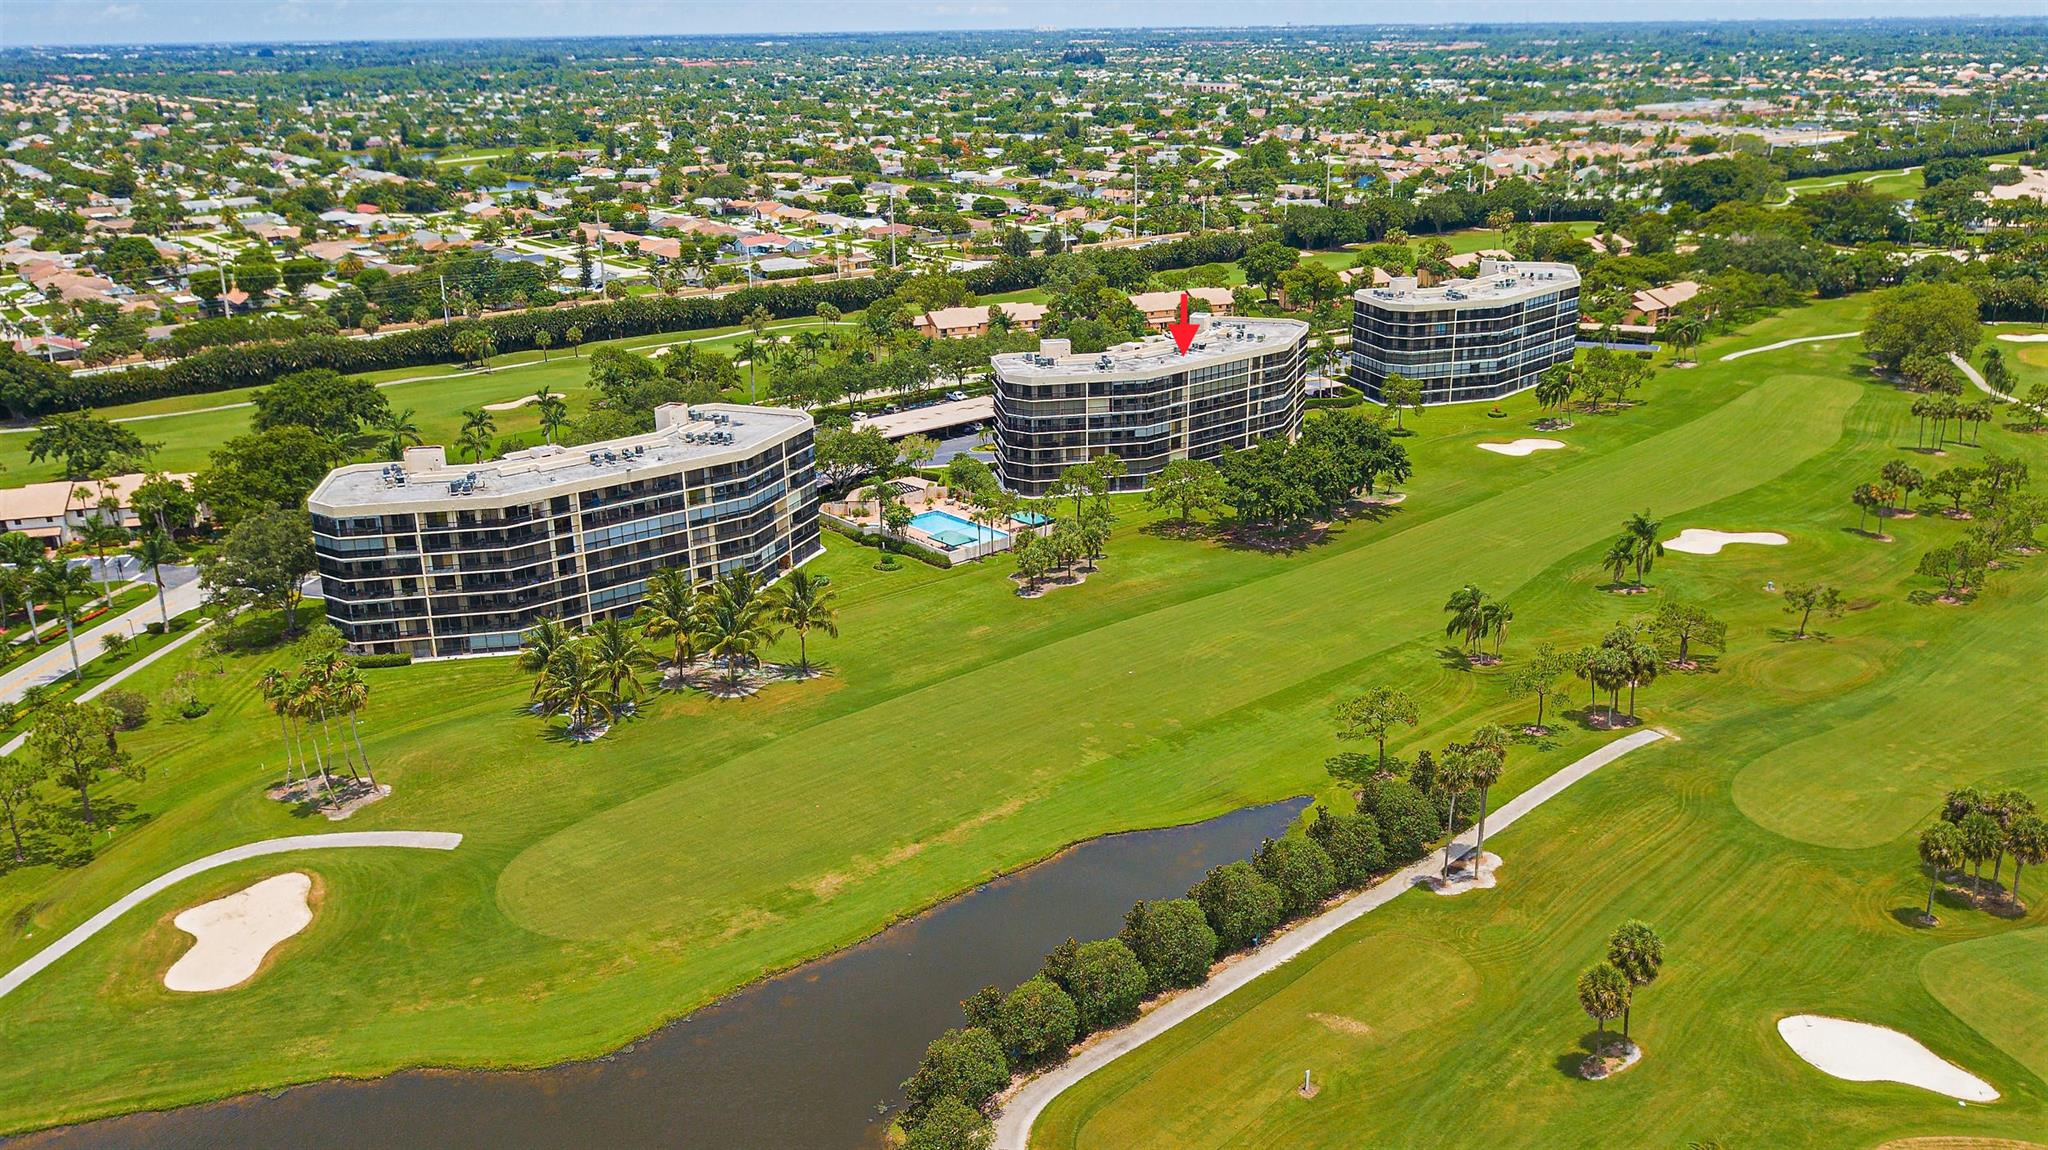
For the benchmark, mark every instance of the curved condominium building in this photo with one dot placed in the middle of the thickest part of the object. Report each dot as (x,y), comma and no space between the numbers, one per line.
(1479,338)
(436,559)
(1240,382)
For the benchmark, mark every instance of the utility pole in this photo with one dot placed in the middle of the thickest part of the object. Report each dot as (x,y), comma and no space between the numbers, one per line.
(892,230)
(443,278)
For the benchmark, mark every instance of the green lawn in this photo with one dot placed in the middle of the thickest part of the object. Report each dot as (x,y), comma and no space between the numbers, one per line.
(605,888)
(1772,844)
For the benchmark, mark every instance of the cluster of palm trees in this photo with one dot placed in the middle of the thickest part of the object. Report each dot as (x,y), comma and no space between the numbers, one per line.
(1977,827)
(592,677)
(1474,616)
(1949,417)
(1473,765)
(1624,658)
(1635,955)
(1071,541)
(1637,548)
(326,686)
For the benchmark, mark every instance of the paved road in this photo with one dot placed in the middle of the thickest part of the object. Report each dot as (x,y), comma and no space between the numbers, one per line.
(1013,1125)
(114,680)
(182,593)
(1790,343)
(422,840)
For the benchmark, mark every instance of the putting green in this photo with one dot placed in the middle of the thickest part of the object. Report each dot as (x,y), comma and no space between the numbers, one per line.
(1995,985)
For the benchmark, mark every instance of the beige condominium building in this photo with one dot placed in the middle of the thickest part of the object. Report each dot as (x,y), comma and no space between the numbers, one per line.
(1466,339)
(1240,382)
(437,559)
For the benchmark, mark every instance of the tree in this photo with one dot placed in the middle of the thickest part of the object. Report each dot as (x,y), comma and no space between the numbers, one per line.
(84,445)
(1239,903)
(269,470)
(1107,983)
(1453,778)
(1637,952)
(1400,394)
(1603,994)
(669,610)
(263,562)
(966,1066)
(1539,677)
(1374,714)
(1265,263)
(1172,941)
(58,581)
(396,432)
(153,552)
(1644,547)
(543,339)
(574,338)
(1942,849)
(1982,841)
(325,402)
(76,744)
(573,684)
(1679,624)
(1353,844)
(474,345)
(1188,486)
(732,623)
(950,1124)
(1869,498)
(165,502)
(1300,870)
(99,533)
(479,430)
(2027,839)
(1809,599)
(20,775)
(1406,818)
(804,603)
(1038,1022)
(1467,610)
(1489,751)
(615,653)
(553,411)
(1927,318)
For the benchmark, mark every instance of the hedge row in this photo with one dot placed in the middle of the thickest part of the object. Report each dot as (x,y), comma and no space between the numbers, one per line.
(29,394)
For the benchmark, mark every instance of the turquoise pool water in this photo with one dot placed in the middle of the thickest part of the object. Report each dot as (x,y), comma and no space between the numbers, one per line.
(953,531)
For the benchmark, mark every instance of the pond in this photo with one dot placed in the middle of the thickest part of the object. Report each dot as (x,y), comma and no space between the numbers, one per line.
(812,1058)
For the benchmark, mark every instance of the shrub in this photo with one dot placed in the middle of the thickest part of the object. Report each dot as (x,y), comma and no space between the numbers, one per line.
(1239,904)
(1408,822)
(964,1065)
(389,659)
(153,628)
(1037,1023)
(1300,869)
(1352,842)
(131,708)
(1107,984)
(1172,940)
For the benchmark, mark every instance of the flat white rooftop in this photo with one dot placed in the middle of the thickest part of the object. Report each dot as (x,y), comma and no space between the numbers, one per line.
(937,417)
(683,438)
(1223,339)
(1498,281)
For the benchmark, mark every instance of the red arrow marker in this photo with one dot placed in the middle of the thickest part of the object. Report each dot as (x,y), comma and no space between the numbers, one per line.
(1183,332)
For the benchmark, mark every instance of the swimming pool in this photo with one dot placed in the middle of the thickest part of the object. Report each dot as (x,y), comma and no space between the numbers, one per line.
(952,531)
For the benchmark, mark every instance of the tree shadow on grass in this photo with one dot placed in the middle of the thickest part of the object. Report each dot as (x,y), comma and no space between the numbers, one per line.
(1192,530)
(1571,1062)
(1791,635)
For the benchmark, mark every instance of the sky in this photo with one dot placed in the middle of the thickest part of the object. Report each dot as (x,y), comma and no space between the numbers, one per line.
(40,22)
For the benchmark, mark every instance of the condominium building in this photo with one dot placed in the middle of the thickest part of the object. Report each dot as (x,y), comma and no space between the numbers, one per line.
(436,559)
(1466,339)
(1240,382)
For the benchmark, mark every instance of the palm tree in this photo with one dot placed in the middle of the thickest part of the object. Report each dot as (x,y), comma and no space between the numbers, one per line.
(397,431)
(1603,995)
(1942,849)
(749,350)
(554,412)
(1637,952)
(731,625)
(538,645)
(1642,531)
(275,687)
(1467,610)
(804,603)
(153,552)
(616,653)
(59,582)
(477,429)
(1453,778)
(573,685)
(100,533)
(2028,842)
(1490,756)
(24,555)
(1981,840)
(543,340)
(1621,554)
(1496,616)
(349,693)
(670,609)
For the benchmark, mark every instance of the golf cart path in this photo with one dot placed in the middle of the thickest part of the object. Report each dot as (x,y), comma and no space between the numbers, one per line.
(1013,1124)
(1977,377)
(1783,343)
(421,840)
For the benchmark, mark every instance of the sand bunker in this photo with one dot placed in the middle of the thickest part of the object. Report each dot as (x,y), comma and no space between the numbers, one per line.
(233,934)
(2041,337)
(1522,446)
(1861,1052)
(1700,541)
(510,404)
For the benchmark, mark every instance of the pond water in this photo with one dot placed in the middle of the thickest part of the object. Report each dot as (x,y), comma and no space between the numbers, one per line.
(810,1059)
